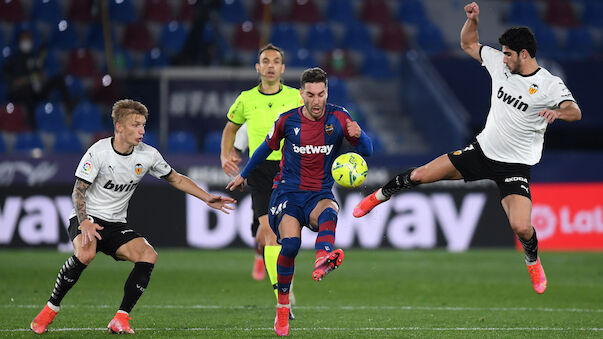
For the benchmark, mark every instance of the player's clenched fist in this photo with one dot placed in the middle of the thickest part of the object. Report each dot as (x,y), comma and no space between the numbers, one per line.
(353,128)
(472,11)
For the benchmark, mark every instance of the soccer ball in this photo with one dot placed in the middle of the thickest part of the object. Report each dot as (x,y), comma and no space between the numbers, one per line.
(349,170)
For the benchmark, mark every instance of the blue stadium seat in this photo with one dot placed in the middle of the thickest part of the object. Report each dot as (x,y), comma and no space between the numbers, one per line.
(95,39)
(524,12)
(154,59)
(579,43)
(122,60)
(412,12)
(5,52)
(122,11)
(320,38)
(376,65)
(67,142)
(233,11)
(430,38)
(285,36)
(2,90)
(548,44)
(172,38)
(182,142)
(338,92)
(49,117)
(592,15)
(2,145)
(357,37)
(27,142)
(64,36)
(302,58)
(75,86)
(212,142)
(52,64)
(47,11)
(150,138)
(341,11)
(87,117)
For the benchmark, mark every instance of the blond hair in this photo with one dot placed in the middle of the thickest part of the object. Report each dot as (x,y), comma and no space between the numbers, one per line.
(125,107)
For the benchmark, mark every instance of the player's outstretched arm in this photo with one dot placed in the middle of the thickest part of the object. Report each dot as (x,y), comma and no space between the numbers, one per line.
(185,184)
(365,145)
(469,36)
(568,111)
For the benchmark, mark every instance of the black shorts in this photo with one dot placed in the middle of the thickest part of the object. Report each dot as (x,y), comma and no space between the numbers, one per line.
(113,235)
(261,181)
(511,178)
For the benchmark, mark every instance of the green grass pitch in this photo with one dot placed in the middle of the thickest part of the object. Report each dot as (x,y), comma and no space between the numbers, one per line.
(374,294)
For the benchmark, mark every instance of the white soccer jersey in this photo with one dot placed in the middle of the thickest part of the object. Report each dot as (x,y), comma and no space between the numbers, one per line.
(514,133)
(113,177)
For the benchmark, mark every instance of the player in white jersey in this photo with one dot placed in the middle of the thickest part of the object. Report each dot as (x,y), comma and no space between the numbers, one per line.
(105,181)
(525,99)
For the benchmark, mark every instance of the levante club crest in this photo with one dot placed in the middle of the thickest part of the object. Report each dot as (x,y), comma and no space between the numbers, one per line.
(329,129)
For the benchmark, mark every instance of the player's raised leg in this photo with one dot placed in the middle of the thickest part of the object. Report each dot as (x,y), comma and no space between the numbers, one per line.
(142,254)
(68,275)
(519,211)
(290,232)
(438,169)
(327,259)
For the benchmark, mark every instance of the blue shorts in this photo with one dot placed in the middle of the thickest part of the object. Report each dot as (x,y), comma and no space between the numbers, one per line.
(298,204)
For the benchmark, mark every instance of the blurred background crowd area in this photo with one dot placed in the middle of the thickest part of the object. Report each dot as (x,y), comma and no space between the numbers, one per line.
(396,65)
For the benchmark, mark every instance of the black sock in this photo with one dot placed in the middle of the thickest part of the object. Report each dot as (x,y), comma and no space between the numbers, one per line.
(398,183)
(68,276)
(530,247)
(136,284)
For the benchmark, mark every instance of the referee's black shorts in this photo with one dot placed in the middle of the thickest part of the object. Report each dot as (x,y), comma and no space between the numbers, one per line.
(261,181)
(114,234)
(511,178)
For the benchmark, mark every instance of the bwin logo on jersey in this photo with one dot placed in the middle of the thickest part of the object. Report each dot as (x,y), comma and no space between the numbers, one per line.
(511,100)
(311,149)
(120,187)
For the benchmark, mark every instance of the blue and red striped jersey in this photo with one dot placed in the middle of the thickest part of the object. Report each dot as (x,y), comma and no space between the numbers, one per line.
(310,147)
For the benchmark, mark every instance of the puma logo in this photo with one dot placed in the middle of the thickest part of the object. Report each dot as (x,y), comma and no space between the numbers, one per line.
(525,188)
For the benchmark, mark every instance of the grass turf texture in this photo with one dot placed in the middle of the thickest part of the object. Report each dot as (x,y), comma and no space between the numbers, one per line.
(380,293)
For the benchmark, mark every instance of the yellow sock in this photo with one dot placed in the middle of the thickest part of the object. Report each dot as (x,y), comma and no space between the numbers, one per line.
(270,257)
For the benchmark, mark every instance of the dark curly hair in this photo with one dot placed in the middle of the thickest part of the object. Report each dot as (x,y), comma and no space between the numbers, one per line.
(518,38)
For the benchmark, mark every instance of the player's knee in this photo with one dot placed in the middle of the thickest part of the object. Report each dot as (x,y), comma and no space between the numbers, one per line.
(290,247)
(328,214)
(522,228)
(85,257)
(149,255)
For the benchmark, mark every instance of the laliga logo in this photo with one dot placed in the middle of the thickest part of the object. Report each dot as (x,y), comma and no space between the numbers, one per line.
(544,221)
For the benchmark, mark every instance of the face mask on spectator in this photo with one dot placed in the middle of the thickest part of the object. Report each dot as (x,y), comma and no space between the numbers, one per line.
(25,45)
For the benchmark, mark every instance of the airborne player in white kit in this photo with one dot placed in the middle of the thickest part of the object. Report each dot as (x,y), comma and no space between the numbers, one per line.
(105,181)
(525,98)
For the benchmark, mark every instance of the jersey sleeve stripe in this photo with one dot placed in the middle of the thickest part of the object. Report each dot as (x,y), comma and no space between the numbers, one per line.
(84,180)
(564,100)
(167,175)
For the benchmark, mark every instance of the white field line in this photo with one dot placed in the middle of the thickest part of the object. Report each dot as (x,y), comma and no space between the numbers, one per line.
(221,329)
(347,308)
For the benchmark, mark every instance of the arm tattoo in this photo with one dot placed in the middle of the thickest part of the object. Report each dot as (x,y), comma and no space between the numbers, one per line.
(79,199)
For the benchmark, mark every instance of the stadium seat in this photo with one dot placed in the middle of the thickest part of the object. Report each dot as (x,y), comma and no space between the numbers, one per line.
(11,11)
(592,14)
(375,11)
(304,11)
(212,142)
(107,90)
(431,40)
(95,38)
(412,12)
(47,11)
(64,36)
(12,118)
(52,64)
(75,87)
(154,59)
(524,12)
(172,37)
(340,11)
(2,88)
(81,63)
(233,11)
(560,13)
(269,10)
(339,63)
(66,142)
(357,38)
(302,58)
(150,138)
(2,145)
(122,11)
(156,11)
(285,36)
(320,38)
(81,11)
(87,117)
(28,141)
(181,142)
(392,37)
(247,37)
(579,43)
(25,26)
(49,117)
(376,65)
(187,10)
(548,44)
(137,37)
(338,92)
(5,52)
(122,61)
